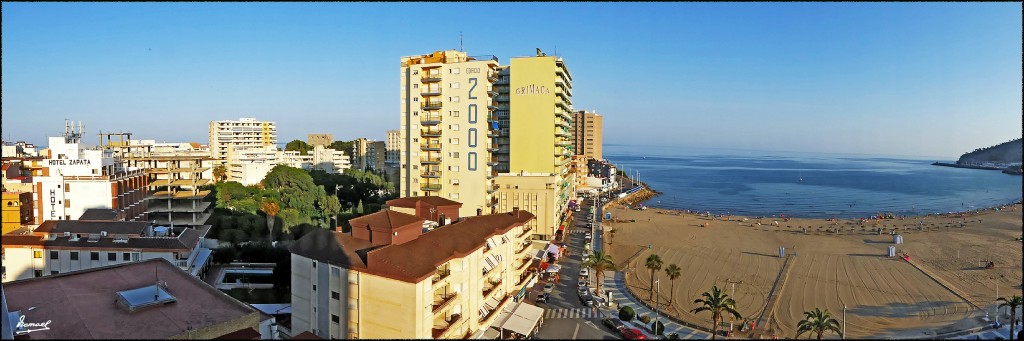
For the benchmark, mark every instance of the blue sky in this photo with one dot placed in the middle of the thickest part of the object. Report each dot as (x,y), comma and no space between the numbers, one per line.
(923,79)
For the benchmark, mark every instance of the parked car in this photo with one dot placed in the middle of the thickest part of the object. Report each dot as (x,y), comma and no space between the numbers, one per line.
(543,297)
(584,272)
(632,334)
(613,323)
(549,287)
(587,300)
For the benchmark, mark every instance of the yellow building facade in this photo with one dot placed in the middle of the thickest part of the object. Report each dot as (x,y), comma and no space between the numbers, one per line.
(445,146)
(17,210)
(536,138)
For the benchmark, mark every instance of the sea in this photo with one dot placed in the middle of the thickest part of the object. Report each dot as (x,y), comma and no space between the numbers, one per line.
(809,185)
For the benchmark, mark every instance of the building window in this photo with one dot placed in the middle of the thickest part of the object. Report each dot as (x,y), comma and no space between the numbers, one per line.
(455,113)
(454,141)
(454,127)
(455,155)
(53,255)
(335,319)
(94,255)
(454,70)
(453,99)
(335,295)
(454,85)
(415,86)
(111,256)
(74,255)
(37,254)
(314,287)
(314,264)
(67,188)
(125,256)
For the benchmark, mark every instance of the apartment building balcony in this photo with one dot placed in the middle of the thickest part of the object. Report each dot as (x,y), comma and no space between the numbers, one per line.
(502,98)
(428,91)
(430,187)
(563,143)
(440,277)
(501,114)
(526,245)
(562,162)
(492,312)
(559,122)
(492,148)
(492,76)
(564,114)
(441,328)
(431,174)
(443,301)
(502,80)
(562,133)
(431,105)
(502,150)
(430,78)
(434,132)
(563,105)
(430,159)
(492,161)
(430,146)
(493,203)
(430,119)
(492,287)
(492,106)
(522,265)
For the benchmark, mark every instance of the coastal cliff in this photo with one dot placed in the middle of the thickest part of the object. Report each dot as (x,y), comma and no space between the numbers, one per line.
(1005,156)
(1005,153)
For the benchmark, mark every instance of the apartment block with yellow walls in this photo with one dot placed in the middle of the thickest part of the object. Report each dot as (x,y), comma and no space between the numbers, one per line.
(391,278)
(538,141)
(447,99)
(17,210)
(588,134)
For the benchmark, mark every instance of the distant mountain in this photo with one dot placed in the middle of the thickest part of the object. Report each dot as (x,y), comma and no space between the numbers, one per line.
(1000,155)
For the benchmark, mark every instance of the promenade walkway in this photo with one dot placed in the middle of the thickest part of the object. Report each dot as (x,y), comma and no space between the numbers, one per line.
(615,282)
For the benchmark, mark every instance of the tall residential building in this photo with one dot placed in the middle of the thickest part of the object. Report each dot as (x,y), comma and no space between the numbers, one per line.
(587,134)
(392,160)
(536,139)
(246,132)
(392,278)
(368,154)
(446,107)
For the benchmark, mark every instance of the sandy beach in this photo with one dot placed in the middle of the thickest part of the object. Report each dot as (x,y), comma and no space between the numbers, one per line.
(940,290)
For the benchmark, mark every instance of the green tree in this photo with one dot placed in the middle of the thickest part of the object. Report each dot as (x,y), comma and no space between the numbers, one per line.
(673,271)
(271,208)
(298,145)
(716,301)
(598,263)
(359,209)
(344,146)
(657,327)
(653,263)
(626,314)
(818,322)
(328,205)
(1013,303)
(220,173)
(296,188)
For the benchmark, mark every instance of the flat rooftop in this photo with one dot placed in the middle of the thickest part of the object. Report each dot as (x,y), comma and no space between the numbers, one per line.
(81,304)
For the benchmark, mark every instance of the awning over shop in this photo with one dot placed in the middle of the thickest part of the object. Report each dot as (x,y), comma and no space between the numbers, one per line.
(523,319)
(554,268)
(544,265)
(540,254)
(553,249)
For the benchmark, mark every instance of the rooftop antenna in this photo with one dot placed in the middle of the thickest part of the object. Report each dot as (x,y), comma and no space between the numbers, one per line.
(460,42)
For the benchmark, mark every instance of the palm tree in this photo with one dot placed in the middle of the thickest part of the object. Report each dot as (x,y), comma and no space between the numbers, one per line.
(673,271)
(819,322)
(717,302)
(654,264)
(598,263)
(220,172)
(271,208)
(1013,302)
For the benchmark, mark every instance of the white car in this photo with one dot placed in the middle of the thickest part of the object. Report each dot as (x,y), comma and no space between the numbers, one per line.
(584,273)
(549,287)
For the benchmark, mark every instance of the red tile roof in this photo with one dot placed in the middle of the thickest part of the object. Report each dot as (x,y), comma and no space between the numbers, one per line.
(412,261)
(306,335)
(410,202)
(243,334)
(385,220)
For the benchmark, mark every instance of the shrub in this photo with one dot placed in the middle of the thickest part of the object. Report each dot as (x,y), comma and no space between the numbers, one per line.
(626,314)
(673,336)
(645,319)
(657,327)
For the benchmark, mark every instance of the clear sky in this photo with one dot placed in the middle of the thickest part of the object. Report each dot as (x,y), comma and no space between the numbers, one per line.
(922,79)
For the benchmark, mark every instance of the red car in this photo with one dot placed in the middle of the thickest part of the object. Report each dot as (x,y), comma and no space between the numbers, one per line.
(632,334)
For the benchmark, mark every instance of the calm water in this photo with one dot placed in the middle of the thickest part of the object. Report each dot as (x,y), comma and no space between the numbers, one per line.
(761,183)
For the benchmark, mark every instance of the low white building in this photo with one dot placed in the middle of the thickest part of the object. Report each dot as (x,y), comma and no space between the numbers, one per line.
(249,166)
(71,245)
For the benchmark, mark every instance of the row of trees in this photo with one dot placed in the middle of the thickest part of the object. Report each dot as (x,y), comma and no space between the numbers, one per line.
(303,148)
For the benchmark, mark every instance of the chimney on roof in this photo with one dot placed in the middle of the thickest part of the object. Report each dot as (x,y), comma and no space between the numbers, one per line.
(515,211)
(479,212)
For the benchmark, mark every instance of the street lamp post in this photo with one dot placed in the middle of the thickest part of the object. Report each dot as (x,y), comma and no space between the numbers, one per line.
(657,310)
(844,322)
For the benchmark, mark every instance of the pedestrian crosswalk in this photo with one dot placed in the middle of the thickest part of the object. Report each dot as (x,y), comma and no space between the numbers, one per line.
(580,231)
(572,313)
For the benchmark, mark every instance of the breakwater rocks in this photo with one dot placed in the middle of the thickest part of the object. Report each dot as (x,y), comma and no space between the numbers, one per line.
(954,165)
